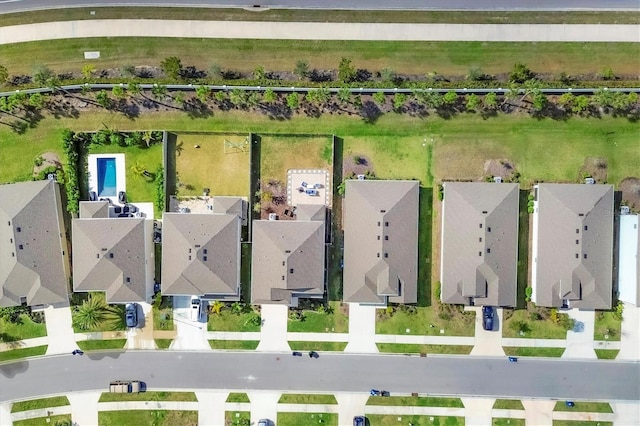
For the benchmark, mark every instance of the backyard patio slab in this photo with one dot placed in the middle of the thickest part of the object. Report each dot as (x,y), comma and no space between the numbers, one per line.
(318,179)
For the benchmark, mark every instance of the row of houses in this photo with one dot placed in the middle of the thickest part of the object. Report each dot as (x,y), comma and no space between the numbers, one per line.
(571,254)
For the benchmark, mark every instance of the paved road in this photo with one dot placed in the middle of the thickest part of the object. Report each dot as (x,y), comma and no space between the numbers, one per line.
(7,6)
(495,377)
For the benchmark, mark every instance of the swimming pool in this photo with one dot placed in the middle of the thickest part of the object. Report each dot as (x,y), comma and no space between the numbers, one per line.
(107,177)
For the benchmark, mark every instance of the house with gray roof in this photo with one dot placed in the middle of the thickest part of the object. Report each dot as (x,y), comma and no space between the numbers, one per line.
(34,258)
(380,241)
(288,261)
(573,246)
(479,254)
(201,255)
(629,259)
(230,205)
(115,256)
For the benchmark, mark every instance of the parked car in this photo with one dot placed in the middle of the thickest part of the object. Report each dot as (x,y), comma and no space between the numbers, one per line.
(131,314)
(196,305)
(264,422)
(313,354)
(126,386)
(487,318)
(359,421)
(374,392)
(384,393)
(296,353)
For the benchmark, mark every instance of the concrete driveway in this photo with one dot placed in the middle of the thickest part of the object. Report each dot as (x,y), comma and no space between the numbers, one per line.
(273,333)
(630,335)
(141,337)
(580,339)
(60,334)
(190,334)
(362,328)
(487,343)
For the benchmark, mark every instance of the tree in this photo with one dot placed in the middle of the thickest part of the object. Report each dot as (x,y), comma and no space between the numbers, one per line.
(138,169)
(632,99)
(94,313)
(238,97)
(220,96)
(346,71)
(4,74)
(566,100)
(118,92)
(88,70)
(259,73)
(450,98)
(476,74)
(429,99)
(102,98)
(344,95)
(253,99)
(380,98)
(159,91)
(269,96)
(203,93)
(520,73)
(45,77)
(216,307)
(473,102)
(293,101)
(399,99)
(580,104)
(172,67)
(237,308)
(603,98)
(178,98)
(539,101)
(36,101)
(607,74)
(134,89)
(388,75)
(301,69)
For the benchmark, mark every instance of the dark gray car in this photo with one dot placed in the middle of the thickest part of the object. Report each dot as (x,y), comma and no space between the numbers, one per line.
(131,314)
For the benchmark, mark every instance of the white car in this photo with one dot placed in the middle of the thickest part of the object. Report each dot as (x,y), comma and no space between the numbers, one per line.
(196,308)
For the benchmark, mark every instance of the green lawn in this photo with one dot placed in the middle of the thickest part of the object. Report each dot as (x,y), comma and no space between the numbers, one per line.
(149,396)
(295,398)
(540,329)
(281,153)
(420,323)
(163,314)
(22,353)
(248,345)
(297,419)
(508,422)
(405,57)
(508,404)
(99,345)
(607,353)
(408,348)
(318,346)
(607,326)
(389,420)
(163,343)
(148,417)
(541,352)
(412,401)
(238,397)
(24,329)
(315,322)
(233,418)
(580,423)
(34,404)
(209,167)
(43,421)
(229,321)
(587,407)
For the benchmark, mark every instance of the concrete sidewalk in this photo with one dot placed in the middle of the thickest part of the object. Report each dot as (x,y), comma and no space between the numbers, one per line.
(319,31)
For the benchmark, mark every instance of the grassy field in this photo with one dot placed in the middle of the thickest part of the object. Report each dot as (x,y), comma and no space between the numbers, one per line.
(607,326)
(408,348)
(295,398)
(25,329)
(100,345)
(507,422)
(540,329)
(310,15)
(607,353)
(43,421)
(281,153)
(318,346)
(392,420)
(209,166)
(404,57)
(248,345)
(588,407)
(580,423)
(148,417)
(541,352)
(420,324)
(297,419)
(34,404)
(229,321)
(412,401)
(238,397)
(149,396)
(315,322)
(508,404)
(233,418)
(22,353)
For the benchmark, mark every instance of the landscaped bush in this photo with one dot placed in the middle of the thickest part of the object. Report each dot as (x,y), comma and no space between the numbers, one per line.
(70,147)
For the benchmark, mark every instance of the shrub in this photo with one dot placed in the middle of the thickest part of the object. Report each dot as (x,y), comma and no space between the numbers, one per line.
(528,292)
(618,310)
(440,192)
(70,147)
(38,161)
(346,71)
(301,69)
(380,98)
(476,74)
(438,289)
(160,201)
(607,74)
(172,67)
(520,73)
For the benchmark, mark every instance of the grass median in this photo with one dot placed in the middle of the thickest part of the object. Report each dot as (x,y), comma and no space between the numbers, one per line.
(34,404)
(45,421)
(22,353)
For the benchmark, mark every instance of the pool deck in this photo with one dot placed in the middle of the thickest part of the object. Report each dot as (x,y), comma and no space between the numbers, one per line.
(121,181)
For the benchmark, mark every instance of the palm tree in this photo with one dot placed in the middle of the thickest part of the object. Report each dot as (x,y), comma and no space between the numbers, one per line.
(138,169)
(94,313)
(237,308)
(216,307)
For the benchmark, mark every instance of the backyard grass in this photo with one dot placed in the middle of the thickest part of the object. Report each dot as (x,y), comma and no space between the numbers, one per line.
(43,421)
(420,323)
(22,353)
(408,348)
(163,314)
(315,322)
(607,353)
(233,418)
(318,346)
(297,419)
(580,423)
(100,345)
(541,352)
(540,329)
(34,404)
(226,320)
(238,397)
(413,401)
(586,407)
(25,328)
(607,326)
(296,398)
(209,167)
(507,422)
(413,57)
(248,345)
(148,396)
(148,417)
(283,152)
(163,343)
(392,420)
(508,404)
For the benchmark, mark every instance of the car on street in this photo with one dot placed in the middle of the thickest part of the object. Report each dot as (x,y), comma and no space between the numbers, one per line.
(131,314)
(264,422)
(374,392)
(313,354)
(359,421)
(487,318)
(196,305)
(296,353)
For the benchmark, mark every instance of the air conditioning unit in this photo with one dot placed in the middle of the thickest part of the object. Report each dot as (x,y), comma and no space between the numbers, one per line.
(273,216)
